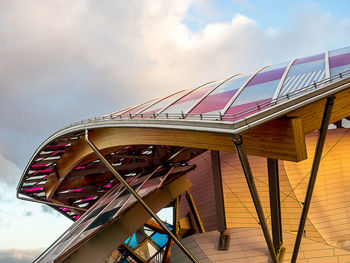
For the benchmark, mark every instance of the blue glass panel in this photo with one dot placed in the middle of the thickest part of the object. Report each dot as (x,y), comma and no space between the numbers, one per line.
(160,239)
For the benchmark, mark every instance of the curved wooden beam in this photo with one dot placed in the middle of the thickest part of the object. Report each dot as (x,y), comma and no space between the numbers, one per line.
(282,139)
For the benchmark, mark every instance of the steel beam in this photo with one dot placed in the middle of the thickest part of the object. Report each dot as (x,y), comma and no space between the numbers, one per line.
(219,200)
(275,204)
(313,174)
(237,139)
(218,191)
(137,197)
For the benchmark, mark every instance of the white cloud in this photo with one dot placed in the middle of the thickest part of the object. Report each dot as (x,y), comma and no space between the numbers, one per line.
(10,173)
(24,224)
(61,61)
(19,255)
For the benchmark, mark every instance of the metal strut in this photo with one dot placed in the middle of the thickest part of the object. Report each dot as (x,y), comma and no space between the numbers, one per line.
(138,198)
(275,207)
(237,139)
(313,174)
(219,200)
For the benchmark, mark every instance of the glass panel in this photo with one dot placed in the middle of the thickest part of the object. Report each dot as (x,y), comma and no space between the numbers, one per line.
(218,99)
(139,108)
(304,72)
(185,103)
(159,106)
(160,239)
(339,60)
(259,90)
(78,226)
(106,209)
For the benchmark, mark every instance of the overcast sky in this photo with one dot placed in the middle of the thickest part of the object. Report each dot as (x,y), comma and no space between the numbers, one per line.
(62,61)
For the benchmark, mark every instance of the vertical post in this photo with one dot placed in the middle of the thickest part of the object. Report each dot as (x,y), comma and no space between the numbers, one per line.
(219,199)
(176,216)
(218,192)
(275,203)
(237,139)
(137,197)
(313,174)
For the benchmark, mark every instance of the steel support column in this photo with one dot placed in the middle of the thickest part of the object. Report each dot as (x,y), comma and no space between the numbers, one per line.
(237,139)
(275,204)
(219,199)
(137,197)
(313,174)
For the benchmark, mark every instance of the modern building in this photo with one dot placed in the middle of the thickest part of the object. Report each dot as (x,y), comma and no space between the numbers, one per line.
(255,167)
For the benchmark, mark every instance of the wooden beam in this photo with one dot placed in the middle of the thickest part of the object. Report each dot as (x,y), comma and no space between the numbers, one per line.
(311,115)
(278,139)
(282,138)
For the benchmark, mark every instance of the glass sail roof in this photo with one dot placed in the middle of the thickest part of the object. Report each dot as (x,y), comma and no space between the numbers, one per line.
(245,94)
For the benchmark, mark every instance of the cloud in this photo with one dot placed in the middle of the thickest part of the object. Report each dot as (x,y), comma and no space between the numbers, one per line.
(27,213)
(48,210)
(19,255)
(10,173)
(63,61)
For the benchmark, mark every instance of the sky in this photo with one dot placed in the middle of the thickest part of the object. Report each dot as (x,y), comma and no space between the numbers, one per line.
(62,61)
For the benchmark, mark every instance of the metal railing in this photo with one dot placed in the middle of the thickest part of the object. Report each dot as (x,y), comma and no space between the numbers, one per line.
(219,116)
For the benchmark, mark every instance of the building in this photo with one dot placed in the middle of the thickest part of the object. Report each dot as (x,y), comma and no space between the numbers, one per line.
(236,159)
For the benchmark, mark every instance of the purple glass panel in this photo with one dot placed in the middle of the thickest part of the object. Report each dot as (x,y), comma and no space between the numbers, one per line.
(197,94)
(34,189)
(246,109)
(340,60)
(185,103)
(148,113)
(55,145)
(267,76)
(138,108)
(309,59)
(214,102)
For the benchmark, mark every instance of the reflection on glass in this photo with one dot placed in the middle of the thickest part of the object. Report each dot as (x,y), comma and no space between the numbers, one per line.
(185,103)
(216,101)
(259,90)
(304,72)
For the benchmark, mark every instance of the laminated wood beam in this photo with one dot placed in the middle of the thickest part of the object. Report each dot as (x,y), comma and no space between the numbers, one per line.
(282,139)
(312,114)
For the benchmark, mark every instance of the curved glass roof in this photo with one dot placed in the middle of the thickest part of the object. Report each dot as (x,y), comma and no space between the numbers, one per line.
(245,94)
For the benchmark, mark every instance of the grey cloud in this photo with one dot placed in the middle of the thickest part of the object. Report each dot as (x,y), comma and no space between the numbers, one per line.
(63,61)
(47,209)
(27,213)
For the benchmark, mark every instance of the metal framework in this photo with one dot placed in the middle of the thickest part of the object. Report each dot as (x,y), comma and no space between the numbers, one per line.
(275,206)
(313,174)
(237,139)
(219,199)
(138,198)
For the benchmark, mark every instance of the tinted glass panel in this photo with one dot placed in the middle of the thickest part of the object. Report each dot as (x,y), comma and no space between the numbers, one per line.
(218,99)
(304,72)
(185,103)
(339,60)
(159,106)
(259,90)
